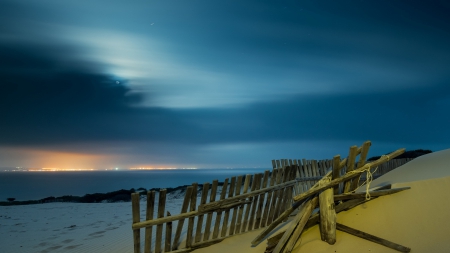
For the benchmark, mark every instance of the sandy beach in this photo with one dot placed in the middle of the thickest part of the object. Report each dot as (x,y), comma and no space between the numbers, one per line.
(416,218)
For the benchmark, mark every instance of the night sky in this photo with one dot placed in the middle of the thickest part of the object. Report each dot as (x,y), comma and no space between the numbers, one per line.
(115,83)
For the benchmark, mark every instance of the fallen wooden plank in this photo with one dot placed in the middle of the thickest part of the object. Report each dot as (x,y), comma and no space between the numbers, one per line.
(298,225)
(372,193)
(292,226)
(372,238)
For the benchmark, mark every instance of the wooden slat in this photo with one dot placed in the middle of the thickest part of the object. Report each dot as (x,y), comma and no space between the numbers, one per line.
(259,210)
(198,232)
(350,166)
(336,171)
(268,204)
(136,218)
(212,198)
(236,210)
(159,228)
(168,245)
(249,207)
(327,214)
(219,213)
(280,196)
(364,151)
(239,227)
(293,232)
(227,212)
(308,174)
(372,238)
(184,207)
(149,216)
(193,204)
(287,196)
(303,186)
(255,203)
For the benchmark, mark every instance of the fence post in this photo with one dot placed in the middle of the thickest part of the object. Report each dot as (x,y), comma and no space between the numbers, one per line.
(135,198)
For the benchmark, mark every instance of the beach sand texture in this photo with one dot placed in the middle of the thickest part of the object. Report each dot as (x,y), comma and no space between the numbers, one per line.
(418,218)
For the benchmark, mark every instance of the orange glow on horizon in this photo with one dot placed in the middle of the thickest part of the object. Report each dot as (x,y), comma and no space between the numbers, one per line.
(44,160)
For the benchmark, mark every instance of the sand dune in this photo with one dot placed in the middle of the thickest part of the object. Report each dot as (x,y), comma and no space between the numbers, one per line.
(417,218)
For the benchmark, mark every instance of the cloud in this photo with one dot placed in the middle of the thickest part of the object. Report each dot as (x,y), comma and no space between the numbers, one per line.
(47,99)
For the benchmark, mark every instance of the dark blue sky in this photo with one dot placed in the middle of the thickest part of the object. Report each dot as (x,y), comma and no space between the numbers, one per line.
(114,83)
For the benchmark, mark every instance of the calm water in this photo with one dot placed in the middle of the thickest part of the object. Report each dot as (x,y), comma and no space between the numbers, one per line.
(38,185)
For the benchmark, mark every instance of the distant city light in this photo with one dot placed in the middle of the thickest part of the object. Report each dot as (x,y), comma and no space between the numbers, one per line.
(151,168)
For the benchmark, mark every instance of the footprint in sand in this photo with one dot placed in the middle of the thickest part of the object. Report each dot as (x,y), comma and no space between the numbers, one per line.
(50,249)
(97,233)
(67,241)
(72,246)
(42,244)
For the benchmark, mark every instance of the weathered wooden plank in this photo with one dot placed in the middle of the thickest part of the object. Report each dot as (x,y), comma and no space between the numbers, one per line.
(192,205)
(327,214)
(372,238)
(219,213)
(227,212)
(149,216)
(268,204)
(135,209)
(350,166)
(251,215)
(250,207)
(236,210)
(376,193)
(348,175)
(184,207)
(261,201)
(168,245)
(303,184)
(212,198)
(308,174)
(300,226)
(362,160)
(198,232)
(281,197)
(159,228)
(336,171)
(239,227)
(299,220)
(314,219)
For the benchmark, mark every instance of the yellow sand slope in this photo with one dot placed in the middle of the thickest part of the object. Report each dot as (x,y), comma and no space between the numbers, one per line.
(418,218)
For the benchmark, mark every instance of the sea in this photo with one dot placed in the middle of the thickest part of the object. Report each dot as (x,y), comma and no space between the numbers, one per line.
(34,185)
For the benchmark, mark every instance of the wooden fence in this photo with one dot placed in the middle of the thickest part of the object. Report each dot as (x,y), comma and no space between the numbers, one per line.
(240,204)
